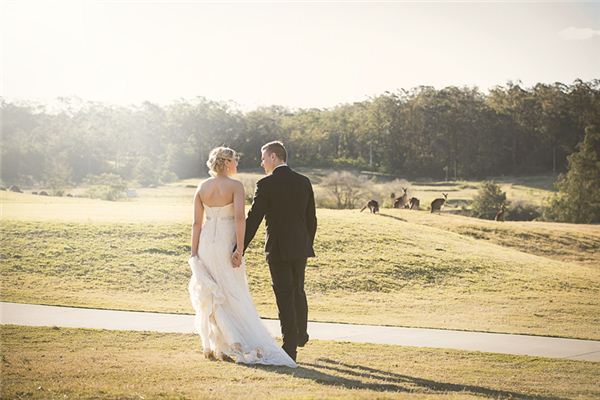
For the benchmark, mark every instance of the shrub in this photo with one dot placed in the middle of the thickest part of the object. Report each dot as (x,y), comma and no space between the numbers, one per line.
(346,162)
(349,190)
(324,198)
(106,186)
(488,200)
(167,176)
(57,177)
(145,172)
(522,211)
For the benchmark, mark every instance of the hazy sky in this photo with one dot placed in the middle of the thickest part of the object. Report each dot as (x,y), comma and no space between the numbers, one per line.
(301,54)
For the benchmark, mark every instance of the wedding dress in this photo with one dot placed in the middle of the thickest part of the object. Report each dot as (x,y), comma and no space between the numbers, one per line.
(226,318)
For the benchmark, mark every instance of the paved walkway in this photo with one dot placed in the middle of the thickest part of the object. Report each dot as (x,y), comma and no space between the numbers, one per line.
(69,317)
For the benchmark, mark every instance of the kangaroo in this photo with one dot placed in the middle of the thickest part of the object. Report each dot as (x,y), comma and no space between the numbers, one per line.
(401,201)
(414,203)
(436,205)
(500,214)
(373,206)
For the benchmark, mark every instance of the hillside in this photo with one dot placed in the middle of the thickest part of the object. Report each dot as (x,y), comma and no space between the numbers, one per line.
(401,267)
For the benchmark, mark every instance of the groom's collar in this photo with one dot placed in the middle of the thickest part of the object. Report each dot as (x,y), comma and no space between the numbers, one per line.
(280,165)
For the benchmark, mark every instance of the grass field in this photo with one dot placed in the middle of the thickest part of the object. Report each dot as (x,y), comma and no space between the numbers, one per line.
(47,363)
(171,202)
(402,267)
(533,189)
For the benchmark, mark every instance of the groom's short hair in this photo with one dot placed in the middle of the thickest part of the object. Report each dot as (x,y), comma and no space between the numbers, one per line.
(277,148)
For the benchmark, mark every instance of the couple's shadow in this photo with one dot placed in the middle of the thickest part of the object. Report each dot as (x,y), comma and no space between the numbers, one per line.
(329,372)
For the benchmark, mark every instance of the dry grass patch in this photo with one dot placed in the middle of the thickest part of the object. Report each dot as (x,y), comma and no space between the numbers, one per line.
(43,363)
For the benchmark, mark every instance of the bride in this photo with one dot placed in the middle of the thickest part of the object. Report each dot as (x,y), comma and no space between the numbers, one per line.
(226,318)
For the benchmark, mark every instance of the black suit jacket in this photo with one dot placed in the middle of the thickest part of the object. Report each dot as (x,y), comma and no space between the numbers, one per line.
(287,202)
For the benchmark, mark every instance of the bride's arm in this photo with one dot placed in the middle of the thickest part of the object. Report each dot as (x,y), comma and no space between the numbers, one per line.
(240,218)
(197,224)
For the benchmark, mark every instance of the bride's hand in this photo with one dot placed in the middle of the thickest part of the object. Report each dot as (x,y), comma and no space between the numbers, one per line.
(236,259)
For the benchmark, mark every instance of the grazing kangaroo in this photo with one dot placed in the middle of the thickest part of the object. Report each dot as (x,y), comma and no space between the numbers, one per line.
(373,206)
(414,203)
(402,201)
(436,205)
(500,214)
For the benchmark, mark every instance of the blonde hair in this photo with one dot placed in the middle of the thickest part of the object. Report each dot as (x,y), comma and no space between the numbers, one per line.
(217,159)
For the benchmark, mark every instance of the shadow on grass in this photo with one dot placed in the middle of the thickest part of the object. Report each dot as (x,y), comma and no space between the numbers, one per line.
(393,217)
(326,371)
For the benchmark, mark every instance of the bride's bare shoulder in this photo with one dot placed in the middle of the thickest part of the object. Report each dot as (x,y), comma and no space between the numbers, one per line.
(203,185)
(236,186)
(235,182)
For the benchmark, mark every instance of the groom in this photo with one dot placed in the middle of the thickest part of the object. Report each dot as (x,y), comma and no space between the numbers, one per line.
(286,200)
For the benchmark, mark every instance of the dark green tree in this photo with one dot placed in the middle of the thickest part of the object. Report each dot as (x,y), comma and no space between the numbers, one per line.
(578,198)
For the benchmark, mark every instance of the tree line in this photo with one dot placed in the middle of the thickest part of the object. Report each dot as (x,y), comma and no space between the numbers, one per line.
(450,133)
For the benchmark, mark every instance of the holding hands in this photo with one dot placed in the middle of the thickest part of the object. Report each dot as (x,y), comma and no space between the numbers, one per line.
(236,258)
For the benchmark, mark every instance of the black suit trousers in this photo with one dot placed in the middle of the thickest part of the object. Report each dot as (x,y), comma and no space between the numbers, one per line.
(287,279)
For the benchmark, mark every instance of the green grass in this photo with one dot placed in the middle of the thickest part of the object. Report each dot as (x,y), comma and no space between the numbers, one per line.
(45,363)
(563,242)
(391,269)
(402,267)
(530,189)
(172,202)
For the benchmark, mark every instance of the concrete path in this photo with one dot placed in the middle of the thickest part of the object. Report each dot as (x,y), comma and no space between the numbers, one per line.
(574,349)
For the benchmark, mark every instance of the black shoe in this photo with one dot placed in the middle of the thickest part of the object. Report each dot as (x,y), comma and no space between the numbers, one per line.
(290,353)
(303,341)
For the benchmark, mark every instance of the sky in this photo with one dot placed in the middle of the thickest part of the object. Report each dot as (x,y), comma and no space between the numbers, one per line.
(294,54)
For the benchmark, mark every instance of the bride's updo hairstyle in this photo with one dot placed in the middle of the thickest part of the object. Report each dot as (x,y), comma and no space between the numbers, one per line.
(217,160)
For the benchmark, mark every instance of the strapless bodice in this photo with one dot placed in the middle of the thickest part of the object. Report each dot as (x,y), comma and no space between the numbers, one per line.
(222,212)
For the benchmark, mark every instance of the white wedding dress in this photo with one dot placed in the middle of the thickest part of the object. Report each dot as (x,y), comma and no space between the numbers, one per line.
(226,318)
